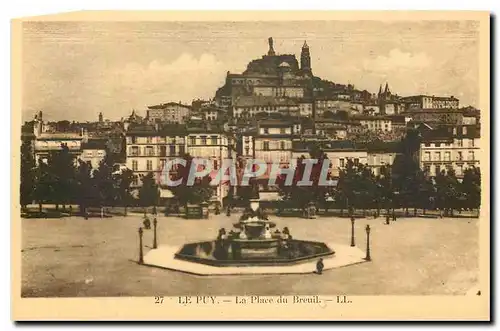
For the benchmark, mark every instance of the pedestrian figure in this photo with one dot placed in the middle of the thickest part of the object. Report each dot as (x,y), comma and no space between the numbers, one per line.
(320,266)
(217,209)
(228,212)
(147,223)
(70,210)
(387,221)
(394,217)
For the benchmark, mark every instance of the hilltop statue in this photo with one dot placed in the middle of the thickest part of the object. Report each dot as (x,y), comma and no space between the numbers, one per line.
(271,49)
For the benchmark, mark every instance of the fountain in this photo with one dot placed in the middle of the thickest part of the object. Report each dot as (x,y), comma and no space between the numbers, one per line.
(252,242)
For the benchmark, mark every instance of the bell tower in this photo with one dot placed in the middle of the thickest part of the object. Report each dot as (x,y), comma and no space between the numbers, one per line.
(305,59)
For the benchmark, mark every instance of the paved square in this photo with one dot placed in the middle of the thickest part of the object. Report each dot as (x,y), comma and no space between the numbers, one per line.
(73,257)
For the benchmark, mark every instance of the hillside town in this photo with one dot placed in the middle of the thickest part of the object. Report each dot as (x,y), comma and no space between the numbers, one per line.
(277,110)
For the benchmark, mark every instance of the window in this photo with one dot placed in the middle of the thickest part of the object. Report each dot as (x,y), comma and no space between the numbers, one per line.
(213,140)
(266,130)
(427,145)
(438,169)
(282,130)
(192,140)
(471,156)
(134,151)
(460,142)
(203,140)
(427,169)
(149,165)
(172,150)
(471,143)
(134,165)
(342,163)
(447,156)
(149,151)
(134,140)
(182,150)
(266,145)
(163,150)
(427,156)
(464,130)
(282,145)
(149,140)
(437,144)
(459,156)
(437,156)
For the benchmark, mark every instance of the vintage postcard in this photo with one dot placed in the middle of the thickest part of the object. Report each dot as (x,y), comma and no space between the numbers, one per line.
(251,166)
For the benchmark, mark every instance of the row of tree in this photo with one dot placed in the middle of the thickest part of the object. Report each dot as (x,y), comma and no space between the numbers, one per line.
(62,181)
(400,185)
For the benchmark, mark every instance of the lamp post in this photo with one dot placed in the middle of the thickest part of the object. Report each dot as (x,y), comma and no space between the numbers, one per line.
(141,255)
(352,231)
(368,257)
(155,243)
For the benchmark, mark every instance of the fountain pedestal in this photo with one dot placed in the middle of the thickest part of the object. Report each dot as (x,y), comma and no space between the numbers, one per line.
(253,244)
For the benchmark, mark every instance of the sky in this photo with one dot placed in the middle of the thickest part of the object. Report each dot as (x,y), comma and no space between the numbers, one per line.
(74,70)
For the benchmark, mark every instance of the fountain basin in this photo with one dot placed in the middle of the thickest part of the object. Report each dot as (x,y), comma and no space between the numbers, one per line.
(263,252)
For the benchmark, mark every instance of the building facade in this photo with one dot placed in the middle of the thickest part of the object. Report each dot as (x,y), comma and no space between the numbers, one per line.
(429,102)
(149,147)
(171,112)
(93,151)
(449,147)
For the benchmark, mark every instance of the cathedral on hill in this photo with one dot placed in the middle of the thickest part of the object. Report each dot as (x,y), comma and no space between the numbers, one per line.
(273,75)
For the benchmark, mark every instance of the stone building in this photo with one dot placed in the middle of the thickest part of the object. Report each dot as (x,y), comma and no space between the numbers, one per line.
(429,102)
(171,112)
(149,147)
(449,147)
(273,75)
(93,151)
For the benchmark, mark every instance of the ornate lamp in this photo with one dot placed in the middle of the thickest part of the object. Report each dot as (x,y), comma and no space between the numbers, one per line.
(368,229)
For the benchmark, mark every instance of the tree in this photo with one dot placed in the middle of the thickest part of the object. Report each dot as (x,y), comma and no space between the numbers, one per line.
(356,187)
(28,168)
(201,190)
(426,195)
(124,179)
(471,188)
(406,172)
(85,188)
(148,192)
(106,182)
(63,126)
(448,192)
(44,184)
(302,196)
(62,167)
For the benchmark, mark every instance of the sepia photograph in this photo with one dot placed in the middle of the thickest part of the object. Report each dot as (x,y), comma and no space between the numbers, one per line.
(247,161)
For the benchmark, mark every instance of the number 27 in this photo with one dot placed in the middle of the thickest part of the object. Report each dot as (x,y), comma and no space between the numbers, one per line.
(158,299)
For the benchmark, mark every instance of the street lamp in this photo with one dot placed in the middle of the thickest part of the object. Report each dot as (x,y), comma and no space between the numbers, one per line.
(155,243)
(368,257)
(352,231)
(141,255)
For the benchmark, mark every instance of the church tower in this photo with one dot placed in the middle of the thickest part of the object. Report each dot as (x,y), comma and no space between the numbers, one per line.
(305,59)
(100,118)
